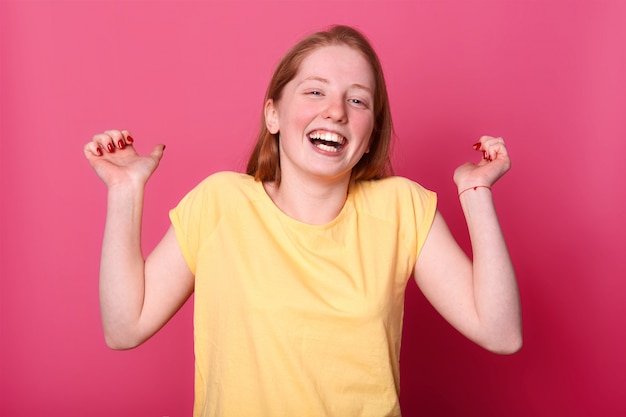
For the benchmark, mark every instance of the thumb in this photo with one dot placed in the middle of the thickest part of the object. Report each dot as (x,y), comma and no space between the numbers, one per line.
(157,152)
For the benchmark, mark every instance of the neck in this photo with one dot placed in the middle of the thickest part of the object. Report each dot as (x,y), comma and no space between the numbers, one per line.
(313,203)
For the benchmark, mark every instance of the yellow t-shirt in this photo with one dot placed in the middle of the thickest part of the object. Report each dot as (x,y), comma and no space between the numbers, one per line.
(292,319)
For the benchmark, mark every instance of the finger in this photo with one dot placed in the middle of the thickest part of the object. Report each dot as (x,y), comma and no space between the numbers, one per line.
(485,140)
(496,148)
(478,146)
(157,152)
(490,146)
(118,140)
(104,142)
(92,149)
(128,139)
(481,146)
(498,152)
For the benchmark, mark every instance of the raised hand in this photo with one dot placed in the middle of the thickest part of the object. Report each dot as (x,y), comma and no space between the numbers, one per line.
(494,164)
(115,160)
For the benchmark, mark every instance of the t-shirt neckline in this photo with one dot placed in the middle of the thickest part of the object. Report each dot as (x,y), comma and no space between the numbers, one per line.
(267,200)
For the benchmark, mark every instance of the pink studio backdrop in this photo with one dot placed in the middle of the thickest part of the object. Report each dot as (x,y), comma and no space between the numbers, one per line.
(548,76)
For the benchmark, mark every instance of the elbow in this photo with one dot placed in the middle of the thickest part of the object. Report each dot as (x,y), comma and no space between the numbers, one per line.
(117,345)
(506,346)
(508,349)
(115,342)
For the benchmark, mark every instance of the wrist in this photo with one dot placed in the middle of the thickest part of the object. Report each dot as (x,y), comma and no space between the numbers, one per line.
(473,188)
(129,183)
(125,190)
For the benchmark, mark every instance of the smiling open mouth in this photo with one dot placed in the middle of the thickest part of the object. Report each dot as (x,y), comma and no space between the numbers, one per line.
(327,141)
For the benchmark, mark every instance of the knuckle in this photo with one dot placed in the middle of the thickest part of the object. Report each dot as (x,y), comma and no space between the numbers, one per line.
(113,134)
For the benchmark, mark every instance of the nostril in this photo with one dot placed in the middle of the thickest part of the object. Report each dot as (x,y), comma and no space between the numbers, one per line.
(335,113)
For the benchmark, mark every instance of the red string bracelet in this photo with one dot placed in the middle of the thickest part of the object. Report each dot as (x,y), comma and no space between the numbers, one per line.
(474,188)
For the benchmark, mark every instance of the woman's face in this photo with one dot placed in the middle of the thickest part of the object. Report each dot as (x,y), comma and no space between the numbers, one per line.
(325,115)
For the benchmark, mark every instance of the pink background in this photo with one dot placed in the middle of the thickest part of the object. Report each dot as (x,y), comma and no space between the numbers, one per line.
(550,77)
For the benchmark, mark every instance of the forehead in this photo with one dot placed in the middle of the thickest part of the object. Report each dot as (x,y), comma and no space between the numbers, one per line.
(337,63)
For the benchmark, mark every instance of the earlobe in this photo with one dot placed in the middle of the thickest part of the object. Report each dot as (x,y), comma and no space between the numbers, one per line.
(271,117)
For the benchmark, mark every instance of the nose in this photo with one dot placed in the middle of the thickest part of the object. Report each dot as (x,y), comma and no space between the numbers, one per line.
(336,110)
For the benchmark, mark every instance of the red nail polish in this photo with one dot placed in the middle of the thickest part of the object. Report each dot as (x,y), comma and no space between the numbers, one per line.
(99,151)
(110,147)
(120,144)
(129,139)
(476,146)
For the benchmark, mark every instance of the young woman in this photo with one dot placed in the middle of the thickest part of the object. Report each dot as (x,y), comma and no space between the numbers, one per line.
(299,266)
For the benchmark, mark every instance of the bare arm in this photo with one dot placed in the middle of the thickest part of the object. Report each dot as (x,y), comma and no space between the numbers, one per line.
(479,298)
(137,297)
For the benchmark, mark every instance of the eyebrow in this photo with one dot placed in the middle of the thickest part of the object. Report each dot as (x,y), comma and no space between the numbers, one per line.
(324,80)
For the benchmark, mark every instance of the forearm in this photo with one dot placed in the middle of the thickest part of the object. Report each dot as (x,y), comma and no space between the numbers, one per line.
(496,294)
(122,281)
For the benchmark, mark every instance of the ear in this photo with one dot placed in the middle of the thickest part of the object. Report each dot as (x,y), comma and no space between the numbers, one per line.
(271,117)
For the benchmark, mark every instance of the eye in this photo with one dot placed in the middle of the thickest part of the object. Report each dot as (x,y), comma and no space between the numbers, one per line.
(315,93)
(358,102)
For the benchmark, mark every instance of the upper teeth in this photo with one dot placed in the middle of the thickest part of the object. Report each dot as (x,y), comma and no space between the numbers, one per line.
(328,137)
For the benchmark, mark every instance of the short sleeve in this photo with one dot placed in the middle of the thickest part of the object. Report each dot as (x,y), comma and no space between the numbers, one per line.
(194,218)
(183,220)
(424,203)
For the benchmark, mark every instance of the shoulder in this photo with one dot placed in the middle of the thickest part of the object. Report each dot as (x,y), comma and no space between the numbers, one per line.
(391,188)
(220,190)
(226,184)
(400,202)
(219,195)
(226,179)
(393,198)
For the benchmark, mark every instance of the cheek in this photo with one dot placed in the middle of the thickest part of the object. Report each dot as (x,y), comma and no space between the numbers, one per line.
(298,120)
(365,125)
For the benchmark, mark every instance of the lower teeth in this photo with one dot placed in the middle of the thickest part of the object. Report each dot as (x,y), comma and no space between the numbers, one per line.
(327,148)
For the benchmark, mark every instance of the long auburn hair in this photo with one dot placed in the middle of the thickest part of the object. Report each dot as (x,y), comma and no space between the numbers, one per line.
(264,162)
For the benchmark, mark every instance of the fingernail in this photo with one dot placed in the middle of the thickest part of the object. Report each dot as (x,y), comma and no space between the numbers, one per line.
(476,146)
(129,139)
(99,151)
(110,147)
(120,144)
